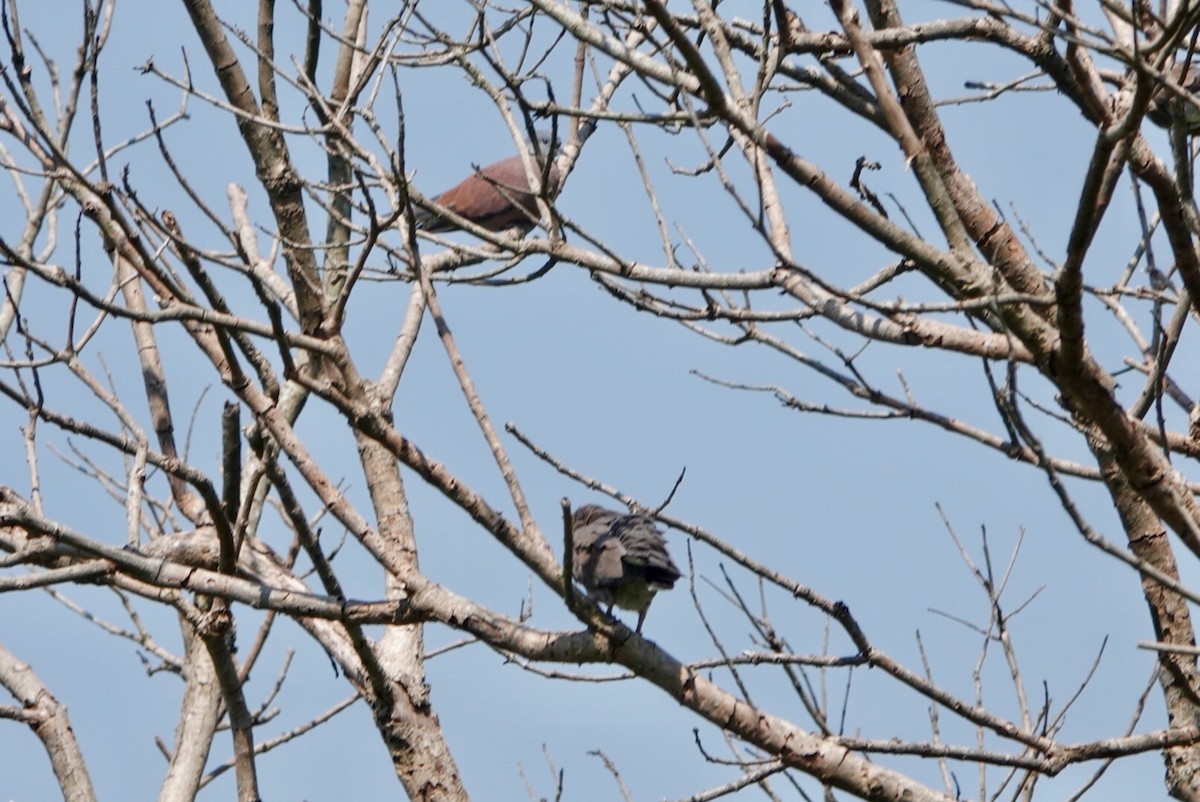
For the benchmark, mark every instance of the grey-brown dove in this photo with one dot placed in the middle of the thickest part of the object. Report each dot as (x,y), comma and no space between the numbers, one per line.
(621,559)
(1165,104)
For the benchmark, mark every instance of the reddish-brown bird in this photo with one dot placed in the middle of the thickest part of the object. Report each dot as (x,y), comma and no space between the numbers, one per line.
(496,197)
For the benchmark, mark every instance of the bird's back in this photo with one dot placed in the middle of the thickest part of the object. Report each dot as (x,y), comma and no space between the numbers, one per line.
(645,551)
(597,557)
(612,548)
(621,559)
(1165,104)
(495,197)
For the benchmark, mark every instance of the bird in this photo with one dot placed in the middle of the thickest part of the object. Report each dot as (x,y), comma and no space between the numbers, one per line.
(497,197)
(1166,104)
(620,559)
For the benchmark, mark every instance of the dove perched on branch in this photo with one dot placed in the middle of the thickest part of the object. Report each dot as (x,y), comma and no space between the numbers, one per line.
(621,559)
(1166,104)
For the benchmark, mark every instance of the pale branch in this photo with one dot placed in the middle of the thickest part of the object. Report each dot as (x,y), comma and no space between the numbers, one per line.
(48,719)
(475,404)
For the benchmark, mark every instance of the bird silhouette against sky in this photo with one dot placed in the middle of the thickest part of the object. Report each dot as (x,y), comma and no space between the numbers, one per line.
(621,559)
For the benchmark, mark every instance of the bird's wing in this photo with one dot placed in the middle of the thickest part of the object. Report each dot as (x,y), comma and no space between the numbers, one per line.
(497,196)
(593,559)
(645,550)
(1164,104)
(607,561)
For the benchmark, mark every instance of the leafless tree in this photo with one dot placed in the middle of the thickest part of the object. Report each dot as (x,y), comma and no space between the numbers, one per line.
(270,294)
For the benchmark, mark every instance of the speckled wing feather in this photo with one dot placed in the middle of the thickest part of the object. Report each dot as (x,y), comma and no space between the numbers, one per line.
(645,551)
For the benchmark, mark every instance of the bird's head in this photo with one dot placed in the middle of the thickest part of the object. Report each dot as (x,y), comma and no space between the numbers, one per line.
(589,513)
